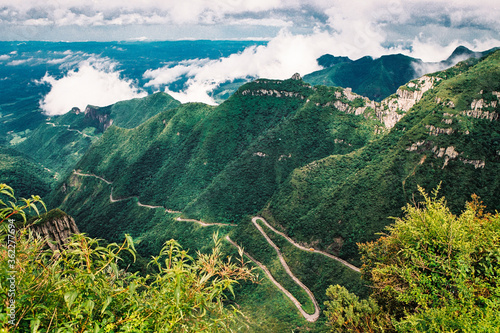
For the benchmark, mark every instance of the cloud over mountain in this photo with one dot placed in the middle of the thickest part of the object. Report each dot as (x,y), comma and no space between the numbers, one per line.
(95,82)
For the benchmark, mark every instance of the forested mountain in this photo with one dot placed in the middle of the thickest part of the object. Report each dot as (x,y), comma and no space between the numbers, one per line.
(378,78)
(62,140)
(324,166)
(28,176)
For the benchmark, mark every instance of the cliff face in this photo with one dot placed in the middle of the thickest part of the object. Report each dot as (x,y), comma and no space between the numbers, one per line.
(95,113)
(55,226)
(393,108)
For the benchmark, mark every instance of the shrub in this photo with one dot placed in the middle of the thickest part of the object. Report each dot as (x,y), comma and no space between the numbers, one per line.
(81,288)
(433,271)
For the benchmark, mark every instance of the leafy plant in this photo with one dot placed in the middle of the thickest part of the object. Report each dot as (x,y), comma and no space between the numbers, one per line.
(12,209)
(82,289)
(433,271)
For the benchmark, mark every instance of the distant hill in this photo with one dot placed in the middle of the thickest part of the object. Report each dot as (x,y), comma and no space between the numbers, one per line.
(381,77)
(62,140)
(25,175)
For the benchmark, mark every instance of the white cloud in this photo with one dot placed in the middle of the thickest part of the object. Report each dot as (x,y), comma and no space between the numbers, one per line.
(96,82)
(431,51)
(19,62)
(279,59)
(287,54)
(4,57)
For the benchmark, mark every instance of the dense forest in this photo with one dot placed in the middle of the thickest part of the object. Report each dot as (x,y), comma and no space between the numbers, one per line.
(306,182)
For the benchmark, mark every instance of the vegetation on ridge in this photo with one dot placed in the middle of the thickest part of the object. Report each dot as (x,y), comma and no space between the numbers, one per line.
(431,271)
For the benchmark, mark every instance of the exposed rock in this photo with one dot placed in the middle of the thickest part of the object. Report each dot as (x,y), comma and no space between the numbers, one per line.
(393,108)
(439,130)
(260,154)
(296,76)
(475,163)
(448,153)
(55,226)
(94,113)
(479,114)
(415,146)
(271,92)
(283,157)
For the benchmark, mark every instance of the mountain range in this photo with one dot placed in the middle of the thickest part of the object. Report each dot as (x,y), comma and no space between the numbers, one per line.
(325,166)
(378,78)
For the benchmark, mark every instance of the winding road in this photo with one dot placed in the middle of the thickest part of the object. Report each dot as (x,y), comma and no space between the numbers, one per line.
(309,317)
(68,127)
(303,248)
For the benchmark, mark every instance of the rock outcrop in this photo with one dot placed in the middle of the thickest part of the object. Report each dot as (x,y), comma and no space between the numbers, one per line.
(96,114)
(394,107)
(56,227)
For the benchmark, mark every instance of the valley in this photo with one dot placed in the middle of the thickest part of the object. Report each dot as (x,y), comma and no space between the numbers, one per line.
(293,175)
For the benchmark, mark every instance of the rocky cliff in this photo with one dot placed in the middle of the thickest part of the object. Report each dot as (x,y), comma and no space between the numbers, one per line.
(55,226)
(99,115)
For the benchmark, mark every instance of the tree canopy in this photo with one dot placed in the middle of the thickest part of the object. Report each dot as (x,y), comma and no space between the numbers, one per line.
(432,272)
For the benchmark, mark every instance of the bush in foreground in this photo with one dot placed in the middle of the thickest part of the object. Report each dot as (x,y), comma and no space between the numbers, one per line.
(82,289)
(432,272)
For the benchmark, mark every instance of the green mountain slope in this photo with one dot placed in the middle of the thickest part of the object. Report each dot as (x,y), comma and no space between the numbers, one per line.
(202,160)
(27,176)
(373,78)
(61,141)
(221,163)
(452,135)
(381,77)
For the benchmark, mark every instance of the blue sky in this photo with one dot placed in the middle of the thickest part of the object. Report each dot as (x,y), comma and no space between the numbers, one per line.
(355,27)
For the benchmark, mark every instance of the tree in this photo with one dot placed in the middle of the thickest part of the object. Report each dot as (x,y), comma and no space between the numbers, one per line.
(432,272)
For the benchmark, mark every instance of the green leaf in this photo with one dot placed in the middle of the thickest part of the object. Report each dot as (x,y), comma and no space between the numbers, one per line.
(106,303)
(35,323)
(130,242)
(132,287)
(32,205)
(89,306)
(70,297)
(230,287)
(177,292)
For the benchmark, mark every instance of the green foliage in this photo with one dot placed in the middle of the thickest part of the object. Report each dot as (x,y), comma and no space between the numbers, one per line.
(62,140)
(28,175)
(373,78)
(346,313)
(12,209)
(81,289)
(433,271)
(343,199)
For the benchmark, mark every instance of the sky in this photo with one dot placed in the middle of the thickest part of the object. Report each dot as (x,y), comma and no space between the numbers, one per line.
(298,31)
(356,26)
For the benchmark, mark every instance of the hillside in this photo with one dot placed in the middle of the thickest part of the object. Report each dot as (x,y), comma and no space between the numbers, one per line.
(452,135)
(28,176)
(378,78)
(323,165)
(62,140)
